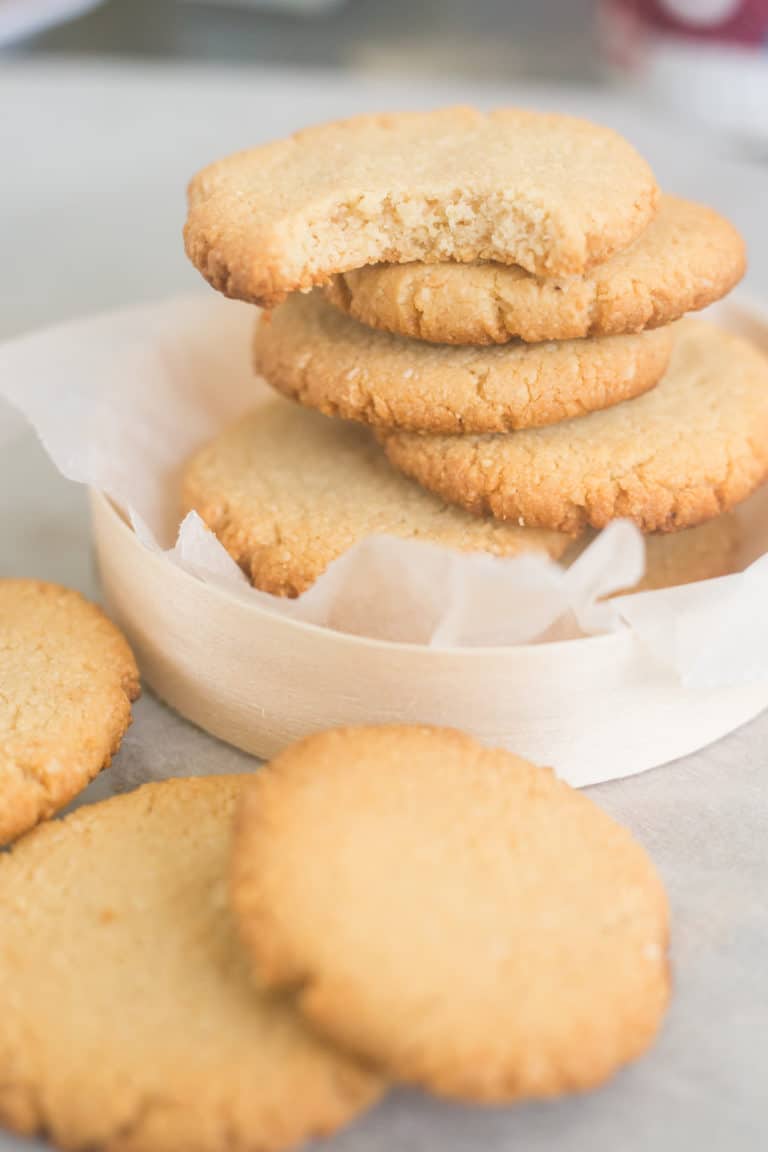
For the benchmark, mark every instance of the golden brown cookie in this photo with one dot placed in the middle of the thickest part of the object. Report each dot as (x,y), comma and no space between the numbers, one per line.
(450,912)
(67,679)
(128,1020)
(312,353)
(685,259)
(553,194)
(674,558)
(288,491)
(688,450)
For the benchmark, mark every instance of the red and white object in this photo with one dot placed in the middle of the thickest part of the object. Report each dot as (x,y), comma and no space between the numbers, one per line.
(707,59)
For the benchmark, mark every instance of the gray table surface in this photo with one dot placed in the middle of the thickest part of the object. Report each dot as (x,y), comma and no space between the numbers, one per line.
(94,164)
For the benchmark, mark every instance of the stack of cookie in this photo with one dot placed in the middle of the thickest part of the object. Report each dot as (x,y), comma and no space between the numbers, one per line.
(497,296)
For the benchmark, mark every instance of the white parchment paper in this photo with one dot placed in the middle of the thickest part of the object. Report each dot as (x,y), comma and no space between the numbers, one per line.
(120,400)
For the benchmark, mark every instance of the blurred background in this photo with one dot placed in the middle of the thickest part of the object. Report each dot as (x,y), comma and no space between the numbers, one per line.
(552,38)
(706,58)
(107,108)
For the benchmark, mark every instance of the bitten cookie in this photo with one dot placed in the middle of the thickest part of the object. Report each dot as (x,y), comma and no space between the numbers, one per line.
(128,1019)
(312,353)
(450,912)
(287,491)
(67,679)
(685,452)
(551,193)
(685,259)
(674,558)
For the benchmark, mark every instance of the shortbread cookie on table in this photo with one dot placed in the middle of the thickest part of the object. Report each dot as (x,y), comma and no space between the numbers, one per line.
(128,1018)
(312,353)
(693,447)
(453,914)
(674,558)
(67,679)
(687,257)
(287,491)
(551,193)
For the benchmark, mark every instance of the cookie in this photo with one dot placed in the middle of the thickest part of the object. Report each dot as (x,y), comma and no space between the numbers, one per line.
(450,912)
(674,558)
(312,353)
(128,1019)
(67,679)
(685,452)
(553,194)
(685,259)
(288,491)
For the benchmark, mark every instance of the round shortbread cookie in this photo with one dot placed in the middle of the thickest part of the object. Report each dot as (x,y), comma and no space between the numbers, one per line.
(128,1018)
(67,679)
(450,912)
(287,491)
(685,259)
(688,450)
(314,354)
(553,194)
(674,558)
